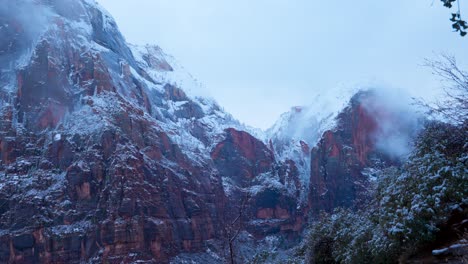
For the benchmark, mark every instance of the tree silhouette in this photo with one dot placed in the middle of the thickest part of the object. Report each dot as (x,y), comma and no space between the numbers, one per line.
(459,25)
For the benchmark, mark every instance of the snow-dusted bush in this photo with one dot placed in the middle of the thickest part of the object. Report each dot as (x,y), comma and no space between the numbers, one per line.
(415,199)
(341,238)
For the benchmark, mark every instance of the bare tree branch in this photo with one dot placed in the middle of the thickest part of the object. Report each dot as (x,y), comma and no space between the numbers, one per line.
(233,228)
(454,106)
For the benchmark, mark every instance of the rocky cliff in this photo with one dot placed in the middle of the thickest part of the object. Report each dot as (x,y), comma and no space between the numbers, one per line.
(369,133)
(108,156)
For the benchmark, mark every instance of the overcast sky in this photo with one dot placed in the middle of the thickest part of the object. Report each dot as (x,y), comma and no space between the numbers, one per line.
(258,58)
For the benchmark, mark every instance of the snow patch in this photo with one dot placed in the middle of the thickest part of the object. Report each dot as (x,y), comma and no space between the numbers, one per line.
(57,137)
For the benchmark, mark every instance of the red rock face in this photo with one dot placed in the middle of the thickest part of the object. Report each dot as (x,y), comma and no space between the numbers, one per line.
(245,163)
(364,126)
(305,147)
(341,154)
(241,156)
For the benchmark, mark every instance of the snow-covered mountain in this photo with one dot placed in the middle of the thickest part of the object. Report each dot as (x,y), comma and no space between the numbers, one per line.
(308,123)
(109,154)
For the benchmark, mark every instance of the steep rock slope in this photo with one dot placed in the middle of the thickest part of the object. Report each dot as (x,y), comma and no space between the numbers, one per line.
(369,133)
(100,160)
(336,146)
(104,157)
(251,174)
